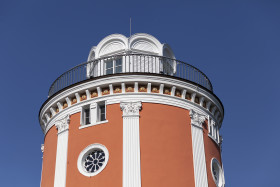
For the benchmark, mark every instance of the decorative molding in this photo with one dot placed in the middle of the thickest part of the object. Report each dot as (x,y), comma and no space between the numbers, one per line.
(161,87)
(149,87)
(208,104)
(201,101)
(115,80)
(88,94)
(136,87)
(99,91)
(183,96)
(131,97)
(131,108)
(196,118)
(193,96)
(77,97)
(62,124)
(59,106)
(173,90)
(42,148)
(52,111)
(213,110)
(111,89)
(47,117)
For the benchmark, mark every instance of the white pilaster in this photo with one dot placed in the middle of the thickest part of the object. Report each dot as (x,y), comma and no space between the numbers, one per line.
(131,144)
(62,126)
(199,163)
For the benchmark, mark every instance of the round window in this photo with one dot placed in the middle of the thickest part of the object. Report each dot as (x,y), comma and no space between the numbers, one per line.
(93,159)
(217,173)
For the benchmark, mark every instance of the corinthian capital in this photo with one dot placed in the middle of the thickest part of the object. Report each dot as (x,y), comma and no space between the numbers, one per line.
(197,119)
(131,108)
(62,124)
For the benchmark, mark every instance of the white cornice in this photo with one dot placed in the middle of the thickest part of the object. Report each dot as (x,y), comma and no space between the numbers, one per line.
(132,97)
(140,79)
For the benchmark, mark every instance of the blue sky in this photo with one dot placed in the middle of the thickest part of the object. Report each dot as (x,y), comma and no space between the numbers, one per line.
(235,43)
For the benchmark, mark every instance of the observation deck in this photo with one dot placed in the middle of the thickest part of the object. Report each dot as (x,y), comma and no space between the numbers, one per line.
(131,64)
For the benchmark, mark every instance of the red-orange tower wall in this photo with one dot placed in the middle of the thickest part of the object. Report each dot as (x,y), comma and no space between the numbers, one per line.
(212,150)
(49,158)
(165,148)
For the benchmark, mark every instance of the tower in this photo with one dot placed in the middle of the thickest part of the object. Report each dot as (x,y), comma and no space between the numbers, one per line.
(132,115)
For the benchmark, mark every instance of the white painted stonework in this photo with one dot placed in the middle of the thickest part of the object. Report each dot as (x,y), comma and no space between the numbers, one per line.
(131,144)
(139,43)
(62,126)
(200,173)
(115,98)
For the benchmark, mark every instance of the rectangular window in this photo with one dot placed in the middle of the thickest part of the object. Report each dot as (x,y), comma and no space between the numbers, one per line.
(113,66)
(101,111)
(109,67)
(93,114)
(87,116)
(118,65)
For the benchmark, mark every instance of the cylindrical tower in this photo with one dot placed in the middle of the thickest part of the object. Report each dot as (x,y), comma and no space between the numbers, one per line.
(132,115)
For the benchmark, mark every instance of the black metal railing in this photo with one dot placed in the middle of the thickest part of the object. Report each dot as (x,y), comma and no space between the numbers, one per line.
(130,63)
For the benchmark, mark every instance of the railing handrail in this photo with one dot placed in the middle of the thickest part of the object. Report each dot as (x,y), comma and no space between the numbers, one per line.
(95,61)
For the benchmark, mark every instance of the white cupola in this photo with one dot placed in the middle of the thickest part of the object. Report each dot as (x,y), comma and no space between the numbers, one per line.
(139,53)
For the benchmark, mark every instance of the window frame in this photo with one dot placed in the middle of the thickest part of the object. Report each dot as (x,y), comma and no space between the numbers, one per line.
(95,115)
(114,65)
(220,182)
(85,152)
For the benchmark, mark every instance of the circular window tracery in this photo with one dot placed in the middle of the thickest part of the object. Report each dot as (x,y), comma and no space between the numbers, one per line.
(217,173)
(93,159)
